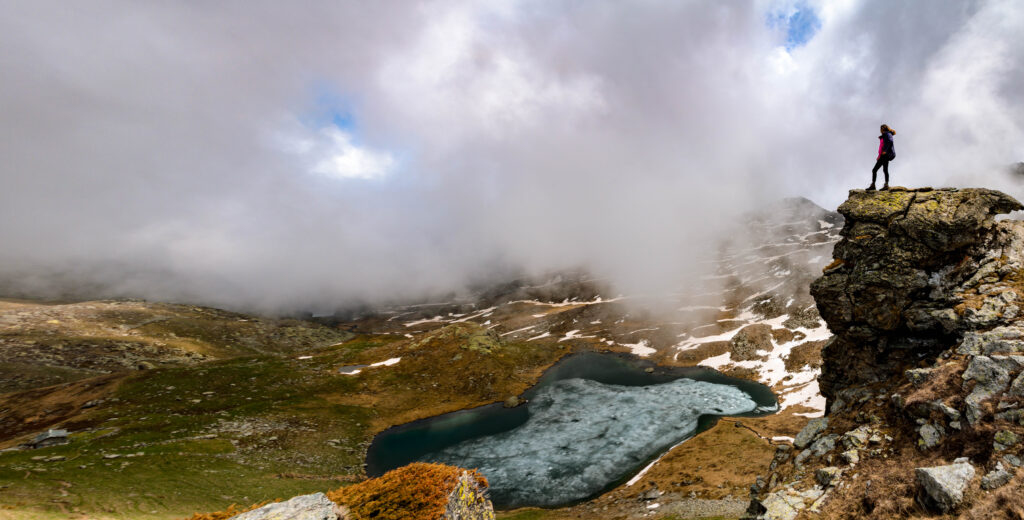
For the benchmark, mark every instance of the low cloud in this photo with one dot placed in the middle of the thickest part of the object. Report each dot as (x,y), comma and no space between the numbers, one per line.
(168,152)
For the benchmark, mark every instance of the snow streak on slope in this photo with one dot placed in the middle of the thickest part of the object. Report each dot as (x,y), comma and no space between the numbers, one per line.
(759,277)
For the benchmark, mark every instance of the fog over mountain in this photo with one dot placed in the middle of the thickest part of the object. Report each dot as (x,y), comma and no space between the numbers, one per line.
(269,156)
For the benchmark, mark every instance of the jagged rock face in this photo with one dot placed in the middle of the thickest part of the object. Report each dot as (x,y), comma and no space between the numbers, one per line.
(914,271)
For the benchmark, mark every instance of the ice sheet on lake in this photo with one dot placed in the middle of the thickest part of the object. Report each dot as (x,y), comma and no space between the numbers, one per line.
(583,435)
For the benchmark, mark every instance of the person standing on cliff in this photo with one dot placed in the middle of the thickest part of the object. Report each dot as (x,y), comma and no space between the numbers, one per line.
(886,153)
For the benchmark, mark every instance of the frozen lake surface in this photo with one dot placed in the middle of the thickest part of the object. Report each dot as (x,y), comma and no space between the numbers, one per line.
(592,422)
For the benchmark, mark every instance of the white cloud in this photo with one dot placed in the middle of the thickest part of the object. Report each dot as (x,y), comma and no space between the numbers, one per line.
(340,158)
(528,133)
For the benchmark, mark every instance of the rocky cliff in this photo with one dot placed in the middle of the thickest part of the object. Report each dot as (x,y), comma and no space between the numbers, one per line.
(925,373)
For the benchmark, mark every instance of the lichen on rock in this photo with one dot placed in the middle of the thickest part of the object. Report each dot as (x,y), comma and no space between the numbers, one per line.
(926,363)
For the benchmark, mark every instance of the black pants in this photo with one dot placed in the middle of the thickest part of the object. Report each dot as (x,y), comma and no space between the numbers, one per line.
(882,162)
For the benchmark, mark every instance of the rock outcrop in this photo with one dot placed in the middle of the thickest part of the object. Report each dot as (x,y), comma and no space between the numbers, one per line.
(942,487)
(915,271)
(305,507)
(924,375)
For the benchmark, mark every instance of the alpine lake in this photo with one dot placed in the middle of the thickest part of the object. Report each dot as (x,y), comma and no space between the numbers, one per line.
(592,421)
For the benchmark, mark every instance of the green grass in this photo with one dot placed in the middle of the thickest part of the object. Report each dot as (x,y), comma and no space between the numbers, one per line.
(269,416)
(178,472)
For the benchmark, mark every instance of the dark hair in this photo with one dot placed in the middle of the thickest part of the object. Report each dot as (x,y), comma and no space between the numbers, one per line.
(887,128)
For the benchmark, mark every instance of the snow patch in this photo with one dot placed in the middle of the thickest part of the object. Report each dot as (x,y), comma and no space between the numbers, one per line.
(642,349)
(386,362)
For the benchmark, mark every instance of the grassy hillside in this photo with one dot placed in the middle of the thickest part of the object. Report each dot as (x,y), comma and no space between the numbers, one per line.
(164,442)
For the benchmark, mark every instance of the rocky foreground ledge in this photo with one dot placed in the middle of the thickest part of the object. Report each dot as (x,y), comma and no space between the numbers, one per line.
(925,374)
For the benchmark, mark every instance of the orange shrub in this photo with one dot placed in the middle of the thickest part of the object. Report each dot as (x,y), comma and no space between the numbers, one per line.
(417,491)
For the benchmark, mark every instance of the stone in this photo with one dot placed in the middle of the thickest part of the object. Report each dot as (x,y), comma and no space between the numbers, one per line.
(1004,439)
(468,501)
(651,494)
(928,437)
(951,413)
(782,505)
(918,376)
(305,507)
(810,432)
(989,376)
(827,475)
(995,478)
(512,402)
(851,456)
(998,340)
(1014,416)
(1012,460)
(857,438)
(942,487)
(1017,386)
(823,445)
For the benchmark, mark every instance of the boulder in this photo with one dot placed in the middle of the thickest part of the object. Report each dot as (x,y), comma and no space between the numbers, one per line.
(857,438)
(810,432)
(823,445)
(782,505)
(995,478)
(942,487)
(929,437)
(990,376)
(1004,439)
(918,376)
(850,457)
(827,475)
(305,507)
(998,340)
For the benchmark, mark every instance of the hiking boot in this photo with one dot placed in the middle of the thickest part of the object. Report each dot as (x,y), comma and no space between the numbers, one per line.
(872,187)
(885,187)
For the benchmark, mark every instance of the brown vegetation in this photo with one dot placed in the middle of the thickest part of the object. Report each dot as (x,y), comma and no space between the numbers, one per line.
(419,490)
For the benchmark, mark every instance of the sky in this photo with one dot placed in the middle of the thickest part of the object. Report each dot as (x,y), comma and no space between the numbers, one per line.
(277,157)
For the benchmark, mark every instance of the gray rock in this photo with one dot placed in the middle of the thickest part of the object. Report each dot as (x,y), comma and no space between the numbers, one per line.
(850,456)
(810,431)
(306,507)
(942,487)
(1014,416)
(826,476)
(823,445)
(951,413)
(885,309)
(918,376)
(857,438)
(998,340)
(995,478)
(782,505)
(930,437)
(1012,460)
(1004,439)
(1017,387)
(990,376)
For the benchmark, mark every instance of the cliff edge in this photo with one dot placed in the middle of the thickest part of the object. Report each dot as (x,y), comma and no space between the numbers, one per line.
(924,375)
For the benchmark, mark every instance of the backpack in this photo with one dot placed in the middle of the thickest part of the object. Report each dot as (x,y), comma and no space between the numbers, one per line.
(890,148)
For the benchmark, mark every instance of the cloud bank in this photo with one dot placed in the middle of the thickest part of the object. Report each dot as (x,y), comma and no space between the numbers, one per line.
(262,156)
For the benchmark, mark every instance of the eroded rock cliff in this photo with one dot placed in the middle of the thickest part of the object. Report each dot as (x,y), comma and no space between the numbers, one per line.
(915,271)
(925,373)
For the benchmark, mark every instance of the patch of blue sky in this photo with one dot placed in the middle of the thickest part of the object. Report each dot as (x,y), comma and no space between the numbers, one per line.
(329,107)
(799,22)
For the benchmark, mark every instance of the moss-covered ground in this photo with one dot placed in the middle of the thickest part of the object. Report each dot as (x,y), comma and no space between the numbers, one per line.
(168,442)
